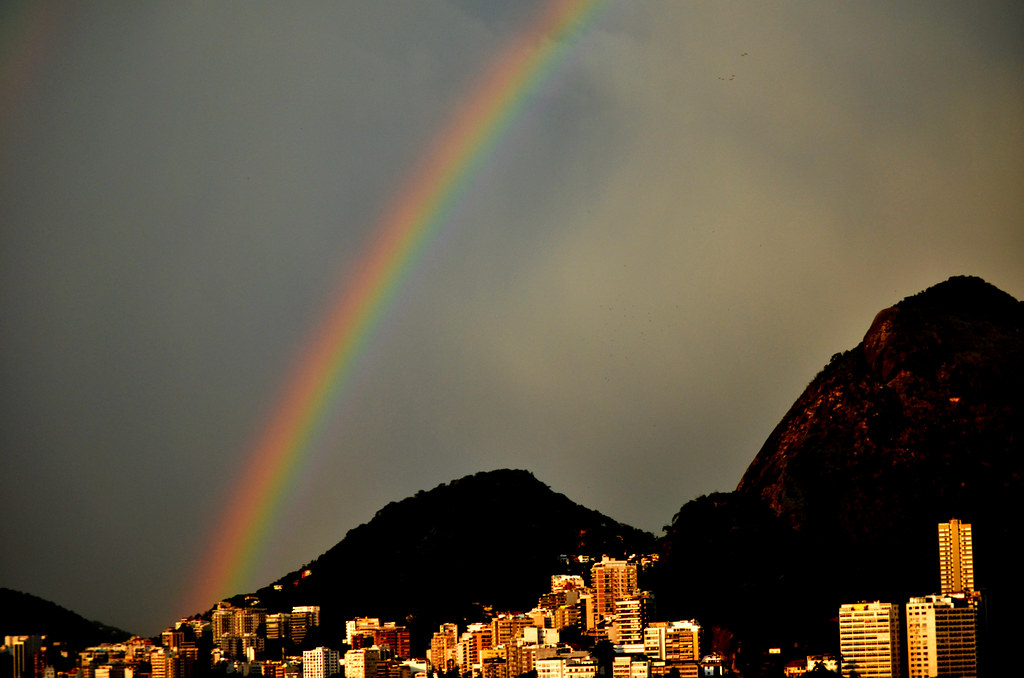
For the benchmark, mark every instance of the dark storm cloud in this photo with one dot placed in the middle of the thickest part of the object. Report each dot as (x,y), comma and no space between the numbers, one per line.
(703,206)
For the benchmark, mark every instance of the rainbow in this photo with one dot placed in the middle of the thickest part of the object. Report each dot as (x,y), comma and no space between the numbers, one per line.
(418,212)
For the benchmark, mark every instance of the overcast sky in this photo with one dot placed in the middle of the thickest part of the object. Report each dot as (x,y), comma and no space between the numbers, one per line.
(702,205)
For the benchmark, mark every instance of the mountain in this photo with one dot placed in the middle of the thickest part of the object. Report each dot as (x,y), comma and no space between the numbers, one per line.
(919,423)
(22,614)
(922,417)
(489,538)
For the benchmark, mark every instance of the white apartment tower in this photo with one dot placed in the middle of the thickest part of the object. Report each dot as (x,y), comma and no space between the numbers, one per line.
(320,663)
(631,617)
(941,637)
(869,640)
(956,559)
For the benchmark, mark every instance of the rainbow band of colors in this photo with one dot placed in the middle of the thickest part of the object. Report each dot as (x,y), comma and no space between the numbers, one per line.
(418,212)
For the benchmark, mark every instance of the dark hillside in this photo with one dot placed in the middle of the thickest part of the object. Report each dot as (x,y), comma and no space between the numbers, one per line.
(22,614)
(921,422)
(490,538)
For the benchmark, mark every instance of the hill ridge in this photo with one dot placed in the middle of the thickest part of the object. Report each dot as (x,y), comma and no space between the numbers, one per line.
(24,614)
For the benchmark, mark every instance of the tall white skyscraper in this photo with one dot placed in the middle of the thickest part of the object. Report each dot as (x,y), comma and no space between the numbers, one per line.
(869,639)
(956,558)
(320,663)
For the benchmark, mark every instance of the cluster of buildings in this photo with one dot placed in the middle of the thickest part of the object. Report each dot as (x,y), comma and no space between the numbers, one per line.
(611,608)
(243,632)
(926,637)
(40,658)
(250,641)
(935,636)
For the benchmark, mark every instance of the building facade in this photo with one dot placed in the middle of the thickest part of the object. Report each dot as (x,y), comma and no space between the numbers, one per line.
(956,557)
(320,663)
(869,640)
(673,642)
(611,581)
(442,648)
(631,617)
(941,637)
(563,662)
(361,663)
(301,619)
(395,637)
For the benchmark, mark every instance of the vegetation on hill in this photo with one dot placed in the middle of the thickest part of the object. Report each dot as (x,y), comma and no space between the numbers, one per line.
(492,538)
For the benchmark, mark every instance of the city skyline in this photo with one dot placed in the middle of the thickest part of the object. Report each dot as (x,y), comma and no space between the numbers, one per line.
(695,209)
(937,635)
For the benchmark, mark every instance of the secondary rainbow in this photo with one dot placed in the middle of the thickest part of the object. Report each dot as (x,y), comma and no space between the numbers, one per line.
(414,218)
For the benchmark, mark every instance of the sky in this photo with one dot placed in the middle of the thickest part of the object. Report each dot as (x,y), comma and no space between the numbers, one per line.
(695,208)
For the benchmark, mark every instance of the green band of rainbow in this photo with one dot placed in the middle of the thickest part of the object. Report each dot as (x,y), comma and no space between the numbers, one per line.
(412,221)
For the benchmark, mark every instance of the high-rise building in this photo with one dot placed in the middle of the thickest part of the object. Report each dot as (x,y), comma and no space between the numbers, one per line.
(359,631)
(941,637)
(567,616)
(248,620)
(611,580)
(21,649)
(303,618)
(222,620)
(494,662)
(442,648)
(229,625)
(507,627)
(956,558)
(588,611)
(320,663)
(476,639)
(361,663)
(172,638)
(673,642)
(278,625)
(631,617)
(869,640)
(521,655)
(395,637)
(170,663)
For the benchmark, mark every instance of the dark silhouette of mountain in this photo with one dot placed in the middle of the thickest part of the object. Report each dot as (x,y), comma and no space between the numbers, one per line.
(22,614)
(490,538)
(919,423)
